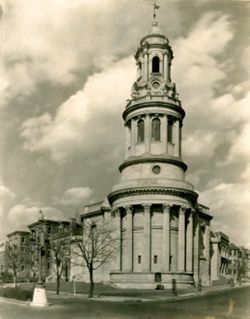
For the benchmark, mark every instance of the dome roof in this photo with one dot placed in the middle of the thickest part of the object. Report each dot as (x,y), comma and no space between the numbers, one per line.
(155,35)
(155,29)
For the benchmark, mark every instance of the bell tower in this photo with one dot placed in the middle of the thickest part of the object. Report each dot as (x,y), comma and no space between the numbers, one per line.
(154,208)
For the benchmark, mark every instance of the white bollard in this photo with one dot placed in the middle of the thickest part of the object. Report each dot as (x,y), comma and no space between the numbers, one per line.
(39,297)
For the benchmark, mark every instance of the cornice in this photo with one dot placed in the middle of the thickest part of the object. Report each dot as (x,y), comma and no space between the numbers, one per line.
(152,159)
(153,190)
(148,104)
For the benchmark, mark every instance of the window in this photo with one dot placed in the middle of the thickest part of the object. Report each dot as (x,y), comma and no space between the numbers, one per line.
(23,240)
(156,129)
(155,259)
(157,277)
(139,259)
(140,131)
(170,130)
(156,65)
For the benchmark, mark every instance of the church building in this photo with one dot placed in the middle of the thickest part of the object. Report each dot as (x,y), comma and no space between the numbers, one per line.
(163,231)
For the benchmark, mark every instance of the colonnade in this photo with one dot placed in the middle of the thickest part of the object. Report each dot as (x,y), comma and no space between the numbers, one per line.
(185,238)
(144,65)
(165,140)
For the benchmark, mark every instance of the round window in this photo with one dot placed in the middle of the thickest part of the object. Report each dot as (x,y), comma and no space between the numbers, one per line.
(156,169)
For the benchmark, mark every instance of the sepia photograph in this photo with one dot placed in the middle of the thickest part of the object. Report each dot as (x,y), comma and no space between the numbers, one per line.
(124,159)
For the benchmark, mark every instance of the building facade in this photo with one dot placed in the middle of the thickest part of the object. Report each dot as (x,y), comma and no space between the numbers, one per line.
(220,257)
(17,254)
(163,232)
(2,258)
(46,234)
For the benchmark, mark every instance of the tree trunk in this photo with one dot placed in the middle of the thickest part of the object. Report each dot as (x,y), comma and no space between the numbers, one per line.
(15,281)
(91,284)
(57,285)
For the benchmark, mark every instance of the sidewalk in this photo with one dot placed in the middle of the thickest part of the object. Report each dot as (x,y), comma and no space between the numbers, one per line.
(141,297)
(154,296)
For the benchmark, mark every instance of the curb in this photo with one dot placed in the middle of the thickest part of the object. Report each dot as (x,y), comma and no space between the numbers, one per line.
(15,301)
(130,299)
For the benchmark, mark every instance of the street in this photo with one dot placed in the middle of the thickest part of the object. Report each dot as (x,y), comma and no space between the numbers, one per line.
(227,304)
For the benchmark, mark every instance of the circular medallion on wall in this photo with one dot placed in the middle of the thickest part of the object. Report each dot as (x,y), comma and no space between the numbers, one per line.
(156,85)
(156,169)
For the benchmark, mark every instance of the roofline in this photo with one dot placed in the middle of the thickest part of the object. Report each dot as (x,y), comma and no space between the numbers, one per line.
(18,232)
(49,221)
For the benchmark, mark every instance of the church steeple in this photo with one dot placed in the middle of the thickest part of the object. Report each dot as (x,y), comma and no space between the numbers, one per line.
(153,116)
(153,206)
(153,59)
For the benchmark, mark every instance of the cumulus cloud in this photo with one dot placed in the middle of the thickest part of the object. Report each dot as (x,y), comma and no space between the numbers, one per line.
(6,195)
(82,122)
(21,215)
(76,197)
(229,203)
(198,143)
(58,44)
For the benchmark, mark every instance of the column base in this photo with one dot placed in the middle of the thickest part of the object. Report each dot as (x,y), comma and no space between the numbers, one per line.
(149,280)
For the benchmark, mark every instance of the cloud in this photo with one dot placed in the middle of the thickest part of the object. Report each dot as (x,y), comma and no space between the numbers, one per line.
(6,195)
(83,121)
(240,149)
(76,196)
(228,202)
(21,215)
(197,143)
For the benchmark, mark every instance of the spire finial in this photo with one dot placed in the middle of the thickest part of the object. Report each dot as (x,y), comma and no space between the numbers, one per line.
(156,7)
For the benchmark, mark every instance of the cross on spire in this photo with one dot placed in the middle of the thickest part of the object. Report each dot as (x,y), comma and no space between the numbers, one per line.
(156,7)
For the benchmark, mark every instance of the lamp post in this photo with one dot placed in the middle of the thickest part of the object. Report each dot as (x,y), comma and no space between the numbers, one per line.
(39,296)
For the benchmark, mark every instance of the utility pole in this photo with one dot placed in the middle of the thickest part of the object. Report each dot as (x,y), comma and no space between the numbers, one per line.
(39,296)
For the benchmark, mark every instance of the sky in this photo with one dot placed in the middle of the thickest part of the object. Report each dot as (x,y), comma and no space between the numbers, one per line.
(66,71)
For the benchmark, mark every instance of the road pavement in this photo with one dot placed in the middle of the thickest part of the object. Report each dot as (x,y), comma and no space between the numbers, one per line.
(226,304)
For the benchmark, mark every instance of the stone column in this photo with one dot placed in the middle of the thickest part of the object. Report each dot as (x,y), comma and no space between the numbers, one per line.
(145,66)
(207,252)
(129,238)
(177,138)
(164,121)
(180,139)
(169,72)
(133,136)
(117,235)
(181,240)
(147,133)
(189,243)
(146,258)
(166,238)
(165,67)
(128,140)
(196,264)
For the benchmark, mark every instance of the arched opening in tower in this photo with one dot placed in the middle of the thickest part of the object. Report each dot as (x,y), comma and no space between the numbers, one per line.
(156,129)
(156,65)
(140,131)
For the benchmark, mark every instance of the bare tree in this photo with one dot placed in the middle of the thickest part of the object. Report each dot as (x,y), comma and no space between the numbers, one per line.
(95,247)
(13,260)
(60,254)
(32,265)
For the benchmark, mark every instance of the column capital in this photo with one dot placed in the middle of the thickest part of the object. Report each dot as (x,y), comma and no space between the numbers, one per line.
(166,207)
(146,208)
(192,212)
(183,209)
(115,212)
(129,209)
